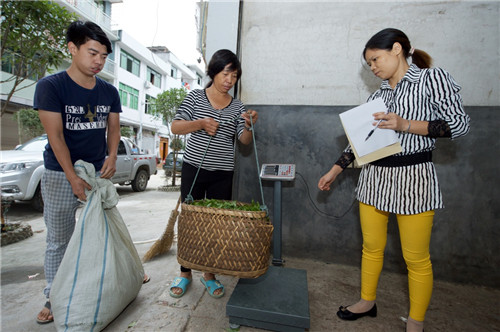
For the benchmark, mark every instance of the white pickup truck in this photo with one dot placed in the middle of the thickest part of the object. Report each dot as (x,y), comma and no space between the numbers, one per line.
(133,167)
(21,170)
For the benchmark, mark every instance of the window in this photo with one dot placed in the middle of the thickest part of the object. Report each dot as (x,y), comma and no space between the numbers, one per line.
(134,149)
(198,79)
(8,63)
(121,148)
(18,68)
(129,63)
(154,78)
(149,104)
(173,72)
(129,96)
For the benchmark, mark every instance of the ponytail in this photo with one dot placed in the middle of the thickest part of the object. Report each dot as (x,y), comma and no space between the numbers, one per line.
(421,59)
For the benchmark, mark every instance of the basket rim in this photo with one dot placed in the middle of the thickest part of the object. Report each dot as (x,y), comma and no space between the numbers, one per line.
(213,210)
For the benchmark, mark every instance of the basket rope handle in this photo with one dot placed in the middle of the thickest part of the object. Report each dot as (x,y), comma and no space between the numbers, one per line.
(263,207)
(189,197)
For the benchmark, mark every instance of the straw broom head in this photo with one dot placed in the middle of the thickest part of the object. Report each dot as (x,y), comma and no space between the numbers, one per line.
(163,244)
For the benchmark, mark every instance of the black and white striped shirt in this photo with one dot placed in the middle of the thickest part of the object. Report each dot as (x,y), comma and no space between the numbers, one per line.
(422,95)
(220,153)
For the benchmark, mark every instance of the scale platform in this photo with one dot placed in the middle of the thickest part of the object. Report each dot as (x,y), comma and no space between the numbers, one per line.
(276,301)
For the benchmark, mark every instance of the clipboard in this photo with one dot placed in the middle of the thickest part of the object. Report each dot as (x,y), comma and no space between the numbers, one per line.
(357,123)
(375,155)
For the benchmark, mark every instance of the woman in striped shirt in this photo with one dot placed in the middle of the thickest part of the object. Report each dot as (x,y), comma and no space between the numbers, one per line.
(211,116)
(423,104)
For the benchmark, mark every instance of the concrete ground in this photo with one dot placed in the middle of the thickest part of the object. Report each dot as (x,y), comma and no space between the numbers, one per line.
(454,307)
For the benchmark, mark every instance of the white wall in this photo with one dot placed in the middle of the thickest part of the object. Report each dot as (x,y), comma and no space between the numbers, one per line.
(304,53)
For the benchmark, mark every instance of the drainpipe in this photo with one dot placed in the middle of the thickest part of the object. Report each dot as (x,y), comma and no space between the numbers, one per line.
(238,43)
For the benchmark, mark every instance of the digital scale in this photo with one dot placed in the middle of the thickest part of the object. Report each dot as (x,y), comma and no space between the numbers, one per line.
(279,299)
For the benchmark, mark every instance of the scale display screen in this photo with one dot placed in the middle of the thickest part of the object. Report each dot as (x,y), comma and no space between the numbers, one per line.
(283,172)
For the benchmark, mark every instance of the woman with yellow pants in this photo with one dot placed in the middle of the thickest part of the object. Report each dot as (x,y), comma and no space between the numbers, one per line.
(423,104)
(415,233)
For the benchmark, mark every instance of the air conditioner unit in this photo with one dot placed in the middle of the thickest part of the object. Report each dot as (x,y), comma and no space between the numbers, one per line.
(147,84)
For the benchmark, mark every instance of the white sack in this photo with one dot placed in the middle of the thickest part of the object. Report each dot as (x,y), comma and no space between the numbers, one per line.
(101,272)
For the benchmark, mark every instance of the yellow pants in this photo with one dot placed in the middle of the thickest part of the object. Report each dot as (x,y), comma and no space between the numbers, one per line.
(415,235)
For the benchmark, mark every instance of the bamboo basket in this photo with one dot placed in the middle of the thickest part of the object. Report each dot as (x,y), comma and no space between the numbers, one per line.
(227,242)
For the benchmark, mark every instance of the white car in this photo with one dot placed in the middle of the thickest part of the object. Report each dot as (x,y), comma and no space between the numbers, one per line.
(21,170)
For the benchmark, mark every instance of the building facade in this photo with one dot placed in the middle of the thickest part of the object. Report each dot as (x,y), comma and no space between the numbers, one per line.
(143,73)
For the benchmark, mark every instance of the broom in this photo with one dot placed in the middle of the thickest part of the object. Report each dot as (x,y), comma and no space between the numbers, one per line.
(164,243)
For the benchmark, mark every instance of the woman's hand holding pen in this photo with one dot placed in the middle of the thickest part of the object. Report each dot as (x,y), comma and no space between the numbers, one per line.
(390,121)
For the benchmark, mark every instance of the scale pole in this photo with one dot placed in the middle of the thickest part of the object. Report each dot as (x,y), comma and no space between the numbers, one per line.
(277,261)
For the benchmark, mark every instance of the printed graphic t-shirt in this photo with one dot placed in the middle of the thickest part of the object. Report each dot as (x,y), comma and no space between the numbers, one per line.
(84,114)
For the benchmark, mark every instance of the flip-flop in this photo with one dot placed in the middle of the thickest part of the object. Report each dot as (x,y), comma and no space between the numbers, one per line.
(179,282)
(212,286)
(146,279)
(48,320)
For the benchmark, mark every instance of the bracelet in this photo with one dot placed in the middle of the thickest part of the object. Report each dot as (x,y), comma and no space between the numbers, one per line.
(248,128)
(408,129)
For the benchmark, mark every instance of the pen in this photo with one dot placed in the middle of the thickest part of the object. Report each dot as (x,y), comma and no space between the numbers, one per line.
(371,131)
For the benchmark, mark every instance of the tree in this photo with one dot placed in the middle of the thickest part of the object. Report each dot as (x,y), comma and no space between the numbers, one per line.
(166,105)
(126,132)
(177,144)
(33,42)
(29,124)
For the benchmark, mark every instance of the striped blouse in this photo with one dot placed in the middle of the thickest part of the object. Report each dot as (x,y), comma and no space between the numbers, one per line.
(220,154)
(422,95)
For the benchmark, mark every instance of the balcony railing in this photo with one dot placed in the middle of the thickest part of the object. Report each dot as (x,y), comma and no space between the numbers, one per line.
(91,11)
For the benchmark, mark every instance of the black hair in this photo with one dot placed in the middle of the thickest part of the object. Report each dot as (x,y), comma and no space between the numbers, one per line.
(219,61)
(79,33)
(385,39)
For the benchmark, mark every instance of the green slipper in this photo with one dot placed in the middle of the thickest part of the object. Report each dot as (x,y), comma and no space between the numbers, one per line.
(179,282)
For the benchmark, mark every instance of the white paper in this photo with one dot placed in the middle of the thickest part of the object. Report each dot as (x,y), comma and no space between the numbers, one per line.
(358,122)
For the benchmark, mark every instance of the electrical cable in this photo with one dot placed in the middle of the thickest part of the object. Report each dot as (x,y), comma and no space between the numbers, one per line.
(317,209)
